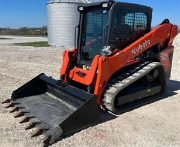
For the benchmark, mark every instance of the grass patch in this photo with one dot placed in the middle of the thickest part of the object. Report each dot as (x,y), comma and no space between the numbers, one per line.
(4,38)
(35,44)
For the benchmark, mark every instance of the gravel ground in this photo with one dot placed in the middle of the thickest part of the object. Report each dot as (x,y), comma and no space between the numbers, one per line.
(19,39)
(156,124)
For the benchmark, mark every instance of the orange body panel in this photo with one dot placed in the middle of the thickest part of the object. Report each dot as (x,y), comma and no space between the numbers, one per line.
(164,58)
(89,74)
(105,67)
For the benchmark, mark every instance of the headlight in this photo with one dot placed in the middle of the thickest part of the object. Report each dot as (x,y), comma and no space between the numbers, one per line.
(81,8)
(105,5)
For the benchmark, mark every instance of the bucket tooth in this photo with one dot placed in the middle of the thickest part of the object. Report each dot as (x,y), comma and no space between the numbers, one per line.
(32,123)
(10,105)
(37,132)
(30,126)
(35,121)
(25,119)
(14,109)
(14,102)
(17,108)
(47,140)
(6,101)
(19,114)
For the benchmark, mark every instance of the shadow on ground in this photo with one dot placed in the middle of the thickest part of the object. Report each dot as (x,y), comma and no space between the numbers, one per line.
(172,87)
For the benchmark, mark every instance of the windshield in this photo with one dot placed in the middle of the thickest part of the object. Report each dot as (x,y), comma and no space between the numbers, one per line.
(94,26)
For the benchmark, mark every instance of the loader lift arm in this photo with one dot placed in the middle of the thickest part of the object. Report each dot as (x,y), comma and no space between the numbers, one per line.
(127,55)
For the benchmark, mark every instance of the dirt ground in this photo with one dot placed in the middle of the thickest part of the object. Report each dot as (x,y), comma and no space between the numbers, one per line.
(156,124)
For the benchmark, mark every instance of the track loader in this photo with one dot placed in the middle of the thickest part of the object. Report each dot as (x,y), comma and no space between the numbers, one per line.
(117,61)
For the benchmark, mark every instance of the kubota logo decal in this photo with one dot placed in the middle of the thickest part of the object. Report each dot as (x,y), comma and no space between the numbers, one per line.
(164,56)
(140,47)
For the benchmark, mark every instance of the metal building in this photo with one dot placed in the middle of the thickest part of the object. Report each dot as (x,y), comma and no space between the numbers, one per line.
(63,17)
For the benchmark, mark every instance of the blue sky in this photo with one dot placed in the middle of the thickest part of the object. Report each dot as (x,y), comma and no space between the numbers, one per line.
(32,13)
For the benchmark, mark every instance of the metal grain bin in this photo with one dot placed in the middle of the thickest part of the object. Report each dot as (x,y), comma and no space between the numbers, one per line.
(63,17)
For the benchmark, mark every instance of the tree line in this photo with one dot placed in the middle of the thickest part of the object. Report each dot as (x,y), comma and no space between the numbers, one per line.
(25,31)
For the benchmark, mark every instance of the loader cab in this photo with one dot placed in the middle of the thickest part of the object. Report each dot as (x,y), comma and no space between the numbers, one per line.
(109,24)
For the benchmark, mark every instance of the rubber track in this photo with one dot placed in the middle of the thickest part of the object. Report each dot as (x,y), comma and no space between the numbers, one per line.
(119,83)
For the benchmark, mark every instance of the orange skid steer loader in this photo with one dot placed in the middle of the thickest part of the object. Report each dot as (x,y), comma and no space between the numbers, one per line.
(118,61)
